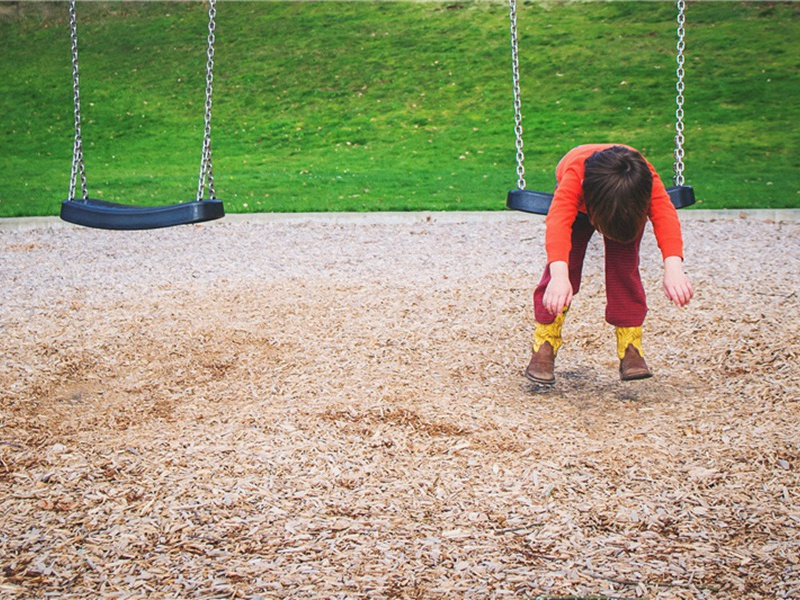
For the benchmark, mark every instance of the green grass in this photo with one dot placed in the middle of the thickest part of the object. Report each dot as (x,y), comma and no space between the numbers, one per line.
(340,106)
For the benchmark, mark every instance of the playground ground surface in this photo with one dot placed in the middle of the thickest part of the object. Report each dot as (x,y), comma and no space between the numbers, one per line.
(334,407)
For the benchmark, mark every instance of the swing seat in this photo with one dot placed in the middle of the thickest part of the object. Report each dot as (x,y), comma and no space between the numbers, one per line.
(681,195)
(109,215)
(529,201)
(538,203)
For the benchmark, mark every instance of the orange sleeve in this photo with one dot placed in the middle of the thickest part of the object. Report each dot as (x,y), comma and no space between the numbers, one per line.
(664,217)
(566,204)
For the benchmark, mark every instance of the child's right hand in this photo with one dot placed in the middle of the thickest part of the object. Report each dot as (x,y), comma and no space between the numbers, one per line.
(558,294)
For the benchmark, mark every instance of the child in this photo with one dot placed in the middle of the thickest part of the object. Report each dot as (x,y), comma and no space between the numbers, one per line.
(614,190)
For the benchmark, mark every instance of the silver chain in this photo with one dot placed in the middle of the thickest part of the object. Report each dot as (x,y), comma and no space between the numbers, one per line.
(512,5)
(678,178)
(206,167)
(78,168)
(678,167)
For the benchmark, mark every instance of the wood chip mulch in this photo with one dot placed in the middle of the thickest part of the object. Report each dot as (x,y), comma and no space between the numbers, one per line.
(310,409)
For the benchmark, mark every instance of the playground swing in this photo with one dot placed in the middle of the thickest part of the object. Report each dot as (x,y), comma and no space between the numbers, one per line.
(109,215)
(530,201)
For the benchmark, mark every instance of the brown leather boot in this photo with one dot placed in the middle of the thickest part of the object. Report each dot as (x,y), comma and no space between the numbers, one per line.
(542,365)
(632,365)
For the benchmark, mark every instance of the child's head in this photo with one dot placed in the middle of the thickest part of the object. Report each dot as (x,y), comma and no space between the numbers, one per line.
(617,185)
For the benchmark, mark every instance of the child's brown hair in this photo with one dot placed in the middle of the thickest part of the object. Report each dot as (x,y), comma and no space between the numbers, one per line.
(617,185)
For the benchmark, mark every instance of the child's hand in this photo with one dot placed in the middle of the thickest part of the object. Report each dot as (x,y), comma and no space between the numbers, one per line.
(558,294)
(676,284)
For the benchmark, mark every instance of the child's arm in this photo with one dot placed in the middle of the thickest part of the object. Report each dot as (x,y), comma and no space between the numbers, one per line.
(667,228)
(676,284)
(558,294)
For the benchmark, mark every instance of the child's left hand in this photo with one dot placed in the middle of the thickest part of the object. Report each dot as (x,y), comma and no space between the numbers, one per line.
(676,284)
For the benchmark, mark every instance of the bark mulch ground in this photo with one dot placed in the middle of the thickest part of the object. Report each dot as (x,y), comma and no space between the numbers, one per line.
(307,409)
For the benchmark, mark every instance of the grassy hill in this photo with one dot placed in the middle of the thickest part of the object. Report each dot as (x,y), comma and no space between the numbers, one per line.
(330,106)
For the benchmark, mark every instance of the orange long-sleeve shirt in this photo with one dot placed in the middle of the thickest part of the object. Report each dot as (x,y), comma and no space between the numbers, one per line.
(568,202)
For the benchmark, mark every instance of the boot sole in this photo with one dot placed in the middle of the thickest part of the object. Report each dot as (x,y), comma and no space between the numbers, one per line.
(635,376)
(540,381)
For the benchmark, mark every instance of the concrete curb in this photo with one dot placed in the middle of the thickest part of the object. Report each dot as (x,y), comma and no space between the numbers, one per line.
(776,215)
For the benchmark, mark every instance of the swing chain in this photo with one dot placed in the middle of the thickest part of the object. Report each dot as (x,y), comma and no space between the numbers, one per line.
(679,153)
(206,167)
(512,4)
(78,167)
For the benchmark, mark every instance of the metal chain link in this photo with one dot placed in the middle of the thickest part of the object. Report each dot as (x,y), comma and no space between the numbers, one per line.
(679,139)
(206,166)
(512,5)
(78,167)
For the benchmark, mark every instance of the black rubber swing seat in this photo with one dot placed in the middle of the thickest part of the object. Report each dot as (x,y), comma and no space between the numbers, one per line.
(538,203)
(529,201)
(681,195)
(109,215)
